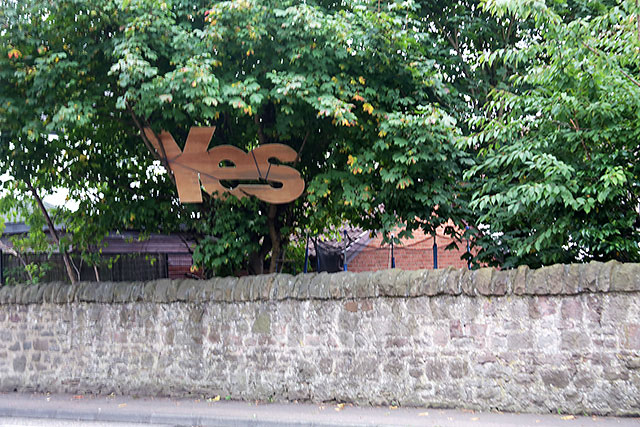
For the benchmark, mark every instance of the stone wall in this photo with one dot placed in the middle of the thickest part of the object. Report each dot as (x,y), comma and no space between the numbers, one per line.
(561,338)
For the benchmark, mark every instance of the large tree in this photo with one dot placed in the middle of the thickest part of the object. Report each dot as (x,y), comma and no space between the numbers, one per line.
(60,128)
(558,178)
(352,87)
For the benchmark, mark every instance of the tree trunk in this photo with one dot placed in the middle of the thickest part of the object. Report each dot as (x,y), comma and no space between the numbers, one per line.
(275,236)
(255,264)
(52,232)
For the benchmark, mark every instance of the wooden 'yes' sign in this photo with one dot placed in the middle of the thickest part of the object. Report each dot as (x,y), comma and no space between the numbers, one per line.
(196,164)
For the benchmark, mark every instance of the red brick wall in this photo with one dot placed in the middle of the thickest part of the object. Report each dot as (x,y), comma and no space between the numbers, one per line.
(179,266)
(412,254)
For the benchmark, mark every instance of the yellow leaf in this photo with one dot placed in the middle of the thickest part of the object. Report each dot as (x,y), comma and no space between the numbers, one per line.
(214,399)
(14,53)
(568,417)
(361,80)
(368,108)
(393,407)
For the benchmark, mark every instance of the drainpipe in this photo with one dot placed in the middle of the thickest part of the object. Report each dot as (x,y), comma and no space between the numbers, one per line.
(469,252)
(344,253)
(306,255)
(393,259)
(435,253)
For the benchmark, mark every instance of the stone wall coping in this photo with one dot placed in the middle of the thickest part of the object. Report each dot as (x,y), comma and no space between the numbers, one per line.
(559,279)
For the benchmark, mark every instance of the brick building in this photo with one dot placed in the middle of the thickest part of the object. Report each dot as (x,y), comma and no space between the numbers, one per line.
(367,253)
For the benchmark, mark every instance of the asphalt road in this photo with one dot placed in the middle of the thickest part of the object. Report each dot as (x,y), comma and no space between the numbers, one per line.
(29,410)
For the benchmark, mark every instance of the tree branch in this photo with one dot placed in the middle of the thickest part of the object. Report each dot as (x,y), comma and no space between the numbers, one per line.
(16,254)
(624,73)
(576,127)
(52,231)
(304,142)
(163,155)
(453,42)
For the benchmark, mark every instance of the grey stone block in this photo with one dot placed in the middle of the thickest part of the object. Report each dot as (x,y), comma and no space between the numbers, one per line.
(255,285)
(5,292)
(137,292)
(183,289)
(19,364)
(70,294)
(439,277)
(519,283)
(20,291)
(49,293)
(482,281)
(228,285)
(172,290)
(415,283)
(161,291)
(122,292)
(545,280)
(466,282)
(556,378)
(302,286)
(388,285)
(266,292)
(335,288)
(218,289)
(61,295)
(207,293)
(149,290)
(104,292)
(89,292)
(604,275)
(588,275)
(240,292)
(30,294)
(429,285)
(319,285)
(625,277)
(402,282)
(12,292)
(572,280)
(453,285)
(262,323)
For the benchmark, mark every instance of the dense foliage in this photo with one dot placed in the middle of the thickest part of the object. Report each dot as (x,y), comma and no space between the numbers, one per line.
(351,87)
(558,178)
(520,118)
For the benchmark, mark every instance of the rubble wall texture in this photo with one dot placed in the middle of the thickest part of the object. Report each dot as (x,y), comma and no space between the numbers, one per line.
(561,338)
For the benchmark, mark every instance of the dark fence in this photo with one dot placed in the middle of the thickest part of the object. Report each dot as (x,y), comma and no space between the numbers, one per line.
(112,267)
